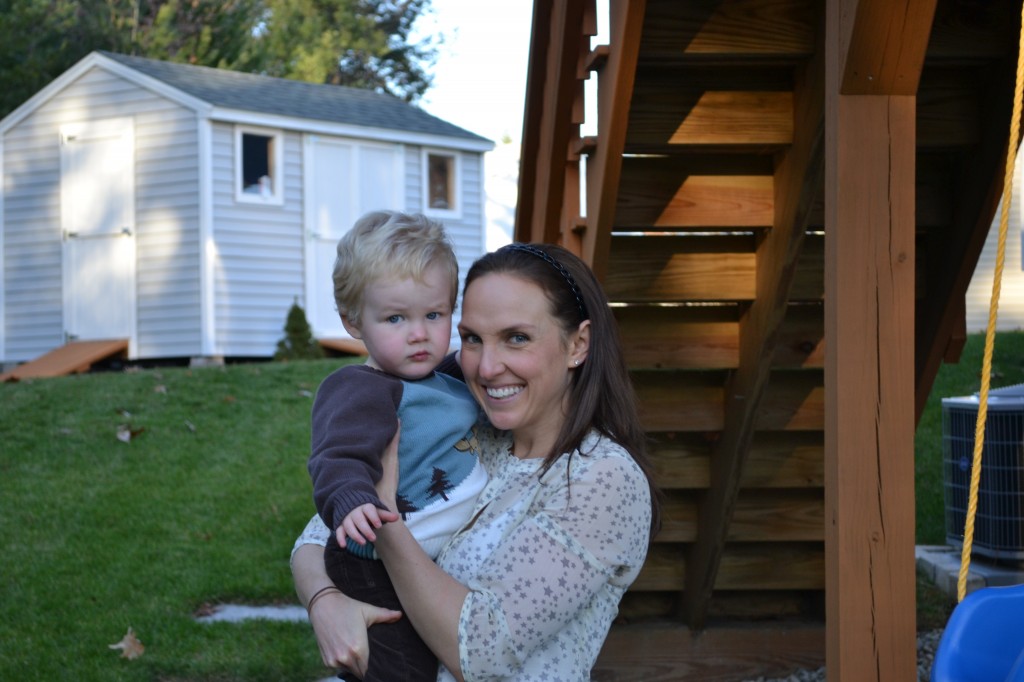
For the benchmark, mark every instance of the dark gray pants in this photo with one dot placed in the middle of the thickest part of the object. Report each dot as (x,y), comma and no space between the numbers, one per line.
(397,654)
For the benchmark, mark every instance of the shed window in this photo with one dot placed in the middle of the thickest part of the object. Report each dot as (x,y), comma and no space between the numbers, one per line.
(258,158)
(441,179)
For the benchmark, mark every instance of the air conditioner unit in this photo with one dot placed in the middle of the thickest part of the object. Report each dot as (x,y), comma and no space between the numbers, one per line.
(998,525)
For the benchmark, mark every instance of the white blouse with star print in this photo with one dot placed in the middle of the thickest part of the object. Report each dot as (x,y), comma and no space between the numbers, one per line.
(546,560)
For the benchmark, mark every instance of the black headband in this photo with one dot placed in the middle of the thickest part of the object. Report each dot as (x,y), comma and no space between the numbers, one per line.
(566,275)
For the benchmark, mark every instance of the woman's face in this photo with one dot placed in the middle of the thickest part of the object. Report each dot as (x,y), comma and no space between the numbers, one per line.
(516,358)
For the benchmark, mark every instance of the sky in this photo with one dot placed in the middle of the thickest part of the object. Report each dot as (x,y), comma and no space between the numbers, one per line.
(480,73)
(480,85)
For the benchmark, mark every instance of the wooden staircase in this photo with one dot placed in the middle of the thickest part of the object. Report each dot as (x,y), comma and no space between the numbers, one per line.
(705,218)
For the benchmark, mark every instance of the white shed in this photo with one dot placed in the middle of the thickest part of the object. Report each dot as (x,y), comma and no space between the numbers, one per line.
(185,208)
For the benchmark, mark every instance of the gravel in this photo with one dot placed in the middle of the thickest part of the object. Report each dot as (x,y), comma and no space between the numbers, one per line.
(927,643)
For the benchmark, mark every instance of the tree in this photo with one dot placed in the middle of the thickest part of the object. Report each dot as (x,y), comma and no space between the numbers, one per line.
(40,39)
(404,505)
(298,342)
(439,484)
(362,43)
(216,33)
(359,43)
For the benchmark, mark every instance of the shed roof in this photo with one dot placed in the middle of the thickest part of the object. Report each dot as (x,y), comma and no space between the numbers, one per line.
(284,97)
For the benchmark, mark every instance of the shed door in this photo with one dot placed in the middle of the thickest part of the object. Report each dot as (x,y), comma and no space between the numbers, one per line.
(98,224)
(344,180)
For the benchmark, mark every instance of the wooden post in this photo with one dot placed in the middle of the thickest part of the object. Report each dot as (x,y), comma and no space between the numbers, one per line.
(869,366)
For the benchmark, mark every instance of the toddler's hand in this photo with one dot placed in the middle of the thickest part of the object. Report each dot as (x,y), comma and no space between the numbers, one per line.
(360,524)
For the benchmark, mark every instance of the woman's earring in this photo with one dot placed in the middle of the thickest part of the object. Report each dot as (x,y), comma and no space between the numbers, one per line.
(577,363)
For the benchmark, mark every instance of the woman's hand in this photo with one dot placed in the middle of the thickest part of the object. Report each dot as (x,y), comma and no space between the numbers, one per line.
(340,624)
(387,486)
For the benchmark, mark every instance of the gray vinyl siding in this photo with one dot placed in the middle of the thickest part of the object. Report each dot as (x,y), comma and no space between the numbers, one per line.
(166,225)
(260,259)
(33,298)
(414,200)
(466,232)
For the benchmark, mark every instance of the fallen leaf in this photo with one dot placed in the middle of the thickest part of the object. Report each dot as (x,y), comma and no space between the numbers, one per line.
(125,433)
(305,393)
(160,389)
(130,646)
(229,398)
(190,426)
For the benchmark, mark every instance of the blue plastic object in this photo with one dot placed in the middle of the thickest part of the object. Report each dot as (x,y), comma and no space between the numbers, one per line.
(984,638)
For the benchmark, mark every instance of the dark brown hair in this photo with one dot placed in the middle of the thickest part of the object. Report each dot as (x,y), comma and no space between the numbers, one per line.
(601,394)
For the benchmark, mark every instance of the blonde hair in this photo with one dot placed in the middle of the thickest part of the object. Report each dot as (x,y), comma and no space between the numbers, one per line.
(389,244)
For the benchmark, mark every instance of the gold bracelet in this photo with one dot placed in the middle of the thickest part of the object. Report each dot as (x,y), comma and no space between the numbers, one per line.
(320,593)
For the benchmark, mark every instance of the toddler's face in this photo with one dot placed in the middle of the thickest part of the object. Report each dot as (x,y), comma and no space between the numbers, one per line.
(406,324)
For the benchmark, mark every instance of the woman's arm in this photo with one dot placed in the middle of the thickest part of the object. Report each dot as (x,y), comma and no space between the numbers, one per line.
(432,599)
(339,622)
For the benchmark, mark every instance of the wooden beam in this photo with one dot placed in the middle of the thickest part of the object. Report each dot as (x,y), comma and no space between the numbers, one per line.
(797,184)
(760,516)
(701,267)
(881,50)
(720,201)
(869,427)
(794,401)
(707,337)
(745,118)
(719,107)
(747,566)
(681,268)
(960,37)
(752,610)
(729,31)
(614,95)
(954,252)
(533,109)
(669,195)
(551,86)
(791,459)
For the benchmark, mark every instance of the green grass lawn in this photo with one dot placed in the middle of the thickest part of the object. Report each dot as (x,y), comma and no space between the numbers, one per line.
(202,506)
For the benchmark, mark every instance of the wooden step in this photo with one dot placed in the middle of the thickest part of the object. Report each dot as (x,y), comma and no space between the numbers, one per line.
(666,651)
(71,358)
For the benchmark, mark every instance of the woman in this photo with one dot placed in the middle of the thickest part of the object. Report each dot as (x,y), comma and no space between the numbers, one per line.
(528,589)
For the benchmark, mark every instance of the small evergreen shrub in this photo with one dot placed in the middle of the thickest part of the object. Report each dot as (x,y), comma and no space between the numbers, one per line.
(298,342)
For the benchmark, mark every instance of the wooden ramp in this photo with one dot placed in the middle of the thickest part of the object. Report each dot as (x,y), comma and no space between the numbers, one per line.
(350,346)
(71,358)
